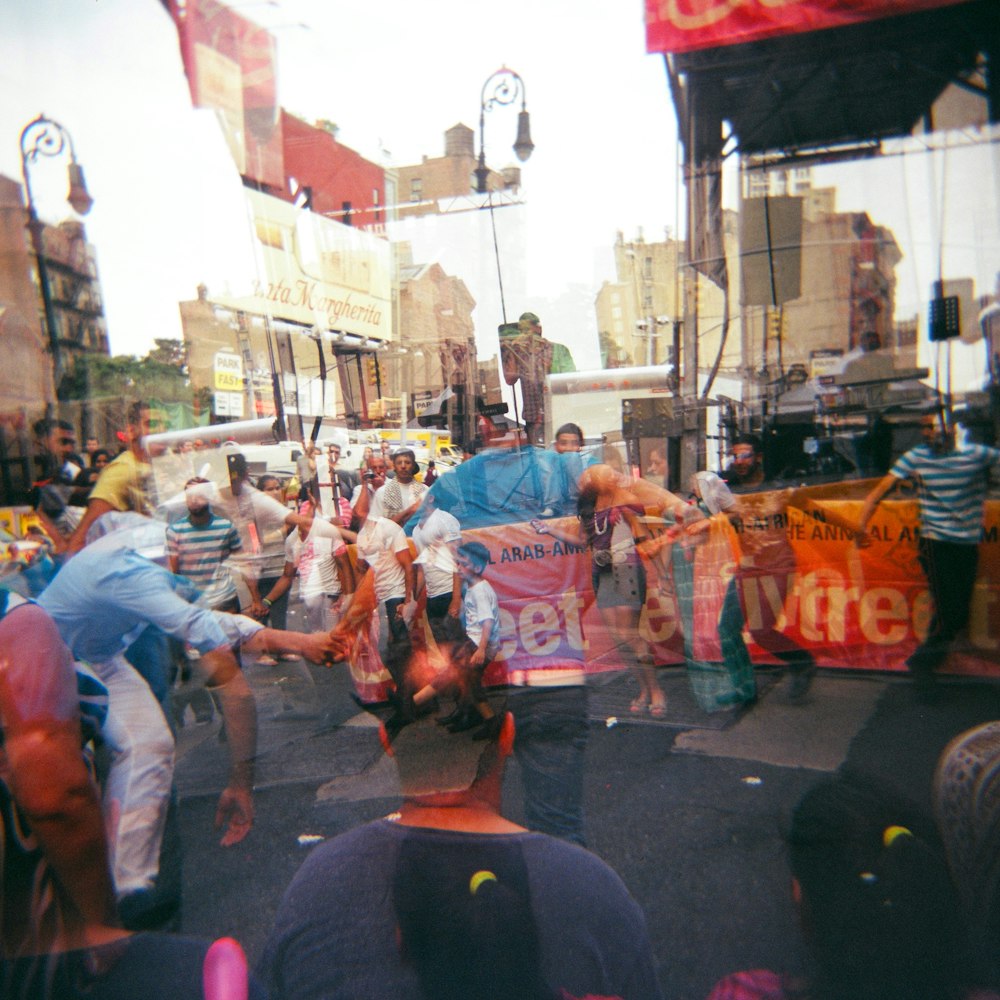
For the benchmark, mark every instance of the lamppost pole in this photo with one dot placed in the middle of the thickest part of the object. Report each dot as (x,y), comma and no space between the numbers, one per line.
(45,137)
(503,87)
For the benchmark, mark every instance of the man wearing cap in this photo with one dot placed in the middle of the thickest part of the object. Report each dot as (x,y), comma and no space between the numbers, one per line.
(447,898)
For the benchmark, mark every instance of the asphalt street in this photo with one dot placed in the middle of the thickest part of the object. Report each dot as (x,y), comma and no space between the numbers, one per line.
(690,809)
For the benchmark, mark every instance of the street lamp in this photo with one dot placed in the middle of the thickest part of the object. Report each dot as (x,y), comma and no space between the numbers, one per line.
(506,86)
(45,137)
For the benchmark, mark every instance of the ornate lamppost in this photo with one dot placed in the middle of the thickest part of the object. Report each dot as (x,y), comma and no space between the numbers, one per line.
(45,137)
(503,87)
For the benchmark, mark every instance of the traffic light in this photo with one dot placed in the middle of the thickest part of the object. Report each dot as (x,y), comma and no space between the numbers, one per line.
(775,322)
(371,370)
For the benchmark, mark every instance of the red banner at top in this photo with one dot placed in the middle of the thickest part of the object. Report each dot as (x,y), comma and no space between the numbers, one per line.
(687,25)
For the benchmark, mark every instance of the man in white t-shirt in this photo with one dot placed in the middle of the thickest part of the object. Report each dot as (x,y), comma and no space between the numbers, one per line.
(384,550)
(319,559)
(436,537)
(255,515)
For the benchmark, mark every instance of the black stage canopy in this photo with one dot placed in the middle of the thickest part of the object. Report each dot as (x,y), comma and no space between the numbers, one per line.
(840,86)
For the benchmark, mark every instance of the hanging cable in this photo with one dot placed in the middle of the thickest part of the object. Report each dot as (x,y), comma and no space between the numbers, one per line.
(496,253)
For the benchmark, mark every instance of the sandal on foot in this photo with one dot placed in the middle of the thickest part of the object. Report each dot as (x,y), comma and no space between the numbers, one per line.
(638,705)
(658,711)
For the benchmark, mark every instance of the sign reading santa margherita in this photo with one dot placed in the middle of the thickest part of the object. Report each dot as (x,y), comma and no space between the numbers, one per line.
(317,272)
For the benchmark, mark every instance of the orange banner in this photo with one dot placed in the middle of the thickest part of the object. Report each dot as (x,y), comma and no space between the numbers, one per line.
(859,608)
(864,609)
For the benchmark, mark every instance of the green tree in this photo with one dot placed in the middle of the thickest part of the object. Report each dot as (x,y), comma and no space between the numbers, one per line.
(161,377)
(170,352)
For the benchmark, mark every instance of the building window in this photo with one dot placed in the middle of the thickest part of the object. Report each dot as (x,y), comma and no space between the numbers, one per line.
(416,189)
(758,185)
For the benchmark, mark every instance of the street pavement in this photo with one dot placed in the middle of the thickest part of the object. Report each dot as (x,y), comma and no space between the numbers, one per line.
(690,809)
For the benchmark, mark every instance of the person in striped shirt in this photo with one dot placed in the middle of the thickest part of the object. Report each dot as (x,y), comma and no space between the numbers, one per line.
(198,547)
(952,482)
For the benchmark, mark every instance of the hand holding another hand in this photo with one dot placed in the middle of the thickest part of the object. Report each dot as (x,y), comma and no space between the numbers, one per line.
(325,648)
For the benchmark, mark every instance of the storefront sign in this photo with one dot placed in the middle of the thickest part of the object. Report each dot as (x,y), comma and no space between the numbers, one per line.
(315,272)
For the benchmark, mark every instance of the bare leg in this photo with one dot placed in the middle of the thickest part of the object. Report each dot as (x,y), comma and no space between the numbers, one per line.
(623,623)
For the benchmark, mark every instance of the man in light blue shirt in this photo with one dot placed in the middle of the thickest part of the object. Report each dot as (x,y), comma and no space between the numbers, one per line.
(101,601)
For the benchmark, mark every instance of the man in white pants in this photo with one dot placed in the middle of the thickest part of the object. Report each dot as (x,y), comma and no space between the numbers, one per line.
(101,600)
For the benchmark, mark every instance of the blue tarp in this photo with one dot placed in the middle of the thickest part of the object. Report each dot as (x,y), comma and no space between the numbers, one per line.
(506,485)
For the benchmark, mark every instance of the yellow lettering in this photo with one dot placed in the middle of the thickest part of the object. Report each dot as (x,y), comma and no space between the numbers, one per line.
(538,625)
(659,618)
(823,601)
(882,616)
(836,611)
(983,598)
(766,587)
(921,615)
(571,606)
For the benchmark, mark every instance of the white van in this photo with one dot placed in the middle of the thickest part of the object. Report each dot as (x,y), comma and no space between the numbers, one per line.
(278,459)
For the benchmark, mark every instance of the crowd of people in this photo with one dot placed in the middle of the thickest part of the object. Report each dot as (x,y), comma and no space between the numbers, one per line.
(449,898)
